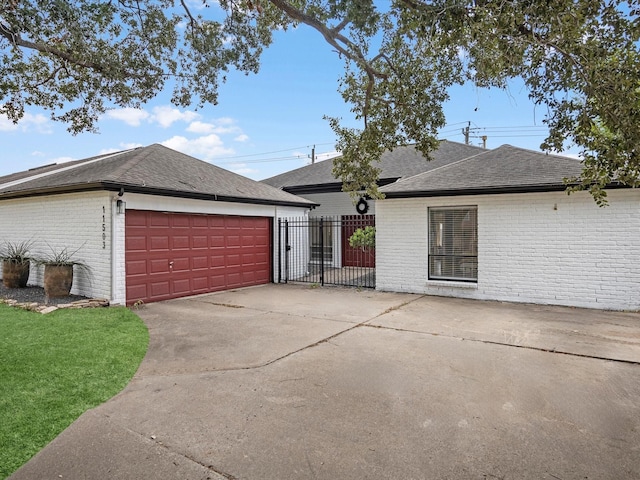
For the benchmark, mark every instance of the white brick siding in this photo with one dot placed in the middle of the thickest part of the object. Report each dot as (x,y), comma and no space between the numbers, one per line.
(73,221)
(546,248)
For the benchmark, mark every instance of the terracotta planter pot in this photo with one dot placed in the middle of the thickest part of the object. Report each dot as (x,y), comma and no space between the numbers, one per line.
(57,280)
(15,274)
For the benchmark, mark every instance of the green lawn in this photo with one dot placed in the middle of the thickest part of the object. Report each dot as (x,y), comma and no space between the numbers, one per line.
(54,367)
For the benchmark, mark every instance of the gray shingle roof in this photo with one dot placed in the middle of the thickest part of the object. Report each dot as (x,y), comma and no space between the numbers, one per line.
(504,169)
(399,163)
(154,170)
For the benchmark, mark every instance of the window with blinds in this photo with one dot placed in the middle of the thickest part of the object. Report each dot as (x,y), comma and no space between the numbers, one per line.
(453,244)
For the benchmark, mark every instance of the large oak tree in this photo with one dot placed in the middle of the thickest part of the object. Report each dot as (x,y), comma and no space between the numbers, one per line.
(578,58)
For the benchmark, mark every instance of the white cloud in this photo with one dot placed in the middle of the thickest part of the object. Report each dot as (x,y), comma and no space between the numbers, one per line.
(37,153)
(220,126)
(167,116)
(131,116)
(206,148)
(201,127)
(29,122)
(242,138)
(7,125)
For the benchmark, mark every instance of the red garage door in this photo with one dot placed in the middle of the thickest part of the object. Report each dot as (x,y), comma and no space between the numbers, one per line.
(170,255)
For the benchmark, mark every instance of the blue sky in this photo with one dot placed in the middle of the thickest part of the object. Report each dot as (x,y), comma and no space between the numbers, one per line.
(264,124)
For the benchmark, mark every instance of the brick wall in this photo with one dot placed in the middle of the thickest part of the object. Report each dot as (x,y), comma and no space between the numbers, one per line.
(546,248)
(72,221)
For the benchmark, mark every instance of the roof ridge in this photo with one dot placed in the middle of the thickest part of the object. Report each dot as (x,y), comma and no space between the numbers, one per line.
(60,170)
(546,154)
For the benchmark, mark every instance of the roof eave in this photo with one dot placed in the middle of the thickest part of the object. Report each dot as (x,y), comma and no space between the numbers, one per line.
(332,187)
(454,192)
(116,186)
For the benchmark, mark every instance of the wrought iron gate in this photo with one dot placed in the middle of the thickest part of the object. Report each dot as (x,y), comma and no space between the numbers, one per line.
(317,250)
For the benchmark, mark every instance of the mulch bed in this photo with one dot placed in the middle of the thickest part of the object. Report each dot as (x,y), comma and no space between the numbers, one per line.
(33,294)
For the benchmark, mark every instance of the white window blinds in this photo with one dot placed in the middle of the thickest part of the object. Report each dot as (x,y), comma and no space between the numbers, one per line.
(453,243)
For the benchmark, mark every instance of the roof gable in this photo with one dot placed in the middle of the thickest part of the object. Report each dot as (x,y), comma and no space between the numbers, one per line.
(153,170)
(401,162)
(504,169)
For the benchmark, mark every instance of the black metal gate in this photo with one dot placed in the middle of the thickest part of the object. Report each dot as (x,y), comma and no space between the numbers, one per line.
(317,250)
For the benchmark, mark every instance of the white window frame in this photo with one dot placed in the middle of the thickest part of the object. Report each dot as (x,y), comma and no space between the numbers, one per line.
(453,247)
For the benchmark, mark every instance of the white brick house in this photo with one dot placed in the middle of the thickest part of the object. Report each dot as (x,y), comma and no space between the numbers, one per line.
(150,222)
(498,226)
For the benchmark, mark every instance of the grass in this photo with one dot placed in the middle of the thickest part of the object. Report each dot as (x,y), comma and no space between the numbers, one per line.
(55,367)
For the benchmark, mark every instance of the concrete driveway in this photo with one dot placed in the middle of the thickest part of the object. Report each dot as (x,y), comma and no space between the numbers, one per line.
(287,382)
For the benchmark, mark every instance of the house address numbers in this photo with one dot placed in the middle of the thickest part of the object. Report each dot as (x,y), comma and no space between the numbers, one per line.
(104,227)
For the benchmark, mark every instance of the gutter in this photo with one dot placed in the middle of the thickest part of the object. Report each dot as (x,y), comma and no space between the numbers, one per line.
(332,187)
(115,187)
(488,191)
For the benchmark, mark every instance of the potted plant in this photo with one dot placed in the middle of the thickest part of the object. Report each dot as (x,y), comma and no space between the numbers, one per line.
(16,264)
(58,271)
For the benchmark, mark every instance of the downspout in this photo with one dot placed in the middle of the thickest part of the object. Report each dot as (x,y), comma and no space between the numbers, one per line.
(113,249)
(276,240)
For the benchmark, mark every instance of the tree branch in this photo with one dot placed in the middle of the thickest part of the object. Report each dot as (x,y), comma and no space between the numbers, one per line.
(541,41)
(342,44)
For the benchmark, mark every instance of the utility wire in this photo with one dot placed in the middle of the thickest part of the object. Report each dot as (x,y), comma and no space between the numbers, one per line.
(275,151)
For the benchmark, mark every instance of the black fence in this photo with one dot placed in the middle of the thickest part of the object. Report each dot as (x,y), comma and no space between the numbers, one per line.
(317,250)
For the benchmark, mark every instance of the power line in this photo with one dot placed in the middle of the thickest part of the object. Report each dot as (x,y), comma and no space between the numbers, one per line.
(275,151)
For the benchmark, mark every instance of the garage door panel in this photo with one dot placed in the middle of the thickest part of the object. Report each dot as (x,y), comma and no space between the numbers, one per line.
(262,241)
(178,221)
(248,259)
(217,261)
(180,242)
(137,291)
(158,266)
(160,289)
(233,260)
(181,264)
(138,243)
(216,241)
(234,279)
(200,241)
(200,221)
(137,267)
(159,242)
(234,222)
(200,284)
(157,219)
(233,241)
(209,253)
(182,286)
(200,263)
